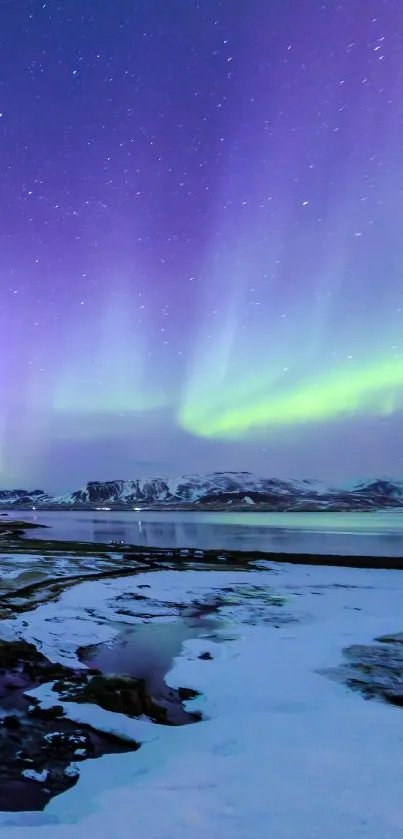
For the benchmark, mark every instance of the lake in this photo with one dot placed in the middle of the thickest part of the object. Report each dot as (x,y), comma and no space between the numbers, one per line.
(366,534)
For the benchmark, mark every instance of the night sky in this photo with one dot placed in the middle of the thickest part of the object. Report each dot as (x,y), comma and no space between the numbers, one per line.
(201,224)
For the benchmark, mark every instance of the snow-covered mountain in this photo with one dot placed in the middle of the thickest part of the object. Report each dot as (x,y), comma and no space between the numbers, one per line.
(21,497)
(210,489)
(219,490)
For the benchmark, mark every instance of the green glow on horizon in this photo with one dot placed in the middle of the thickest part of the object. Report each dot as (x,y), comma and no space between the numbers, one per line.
(104,375)
(375,389)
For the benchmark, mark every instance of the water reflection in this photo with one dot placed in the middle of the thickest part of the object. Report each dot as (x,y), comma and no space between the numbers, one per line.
(371,534)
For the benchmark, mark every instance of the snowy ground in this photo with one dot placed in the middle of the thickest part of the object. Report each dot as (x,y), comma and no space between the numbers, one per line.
(283,752)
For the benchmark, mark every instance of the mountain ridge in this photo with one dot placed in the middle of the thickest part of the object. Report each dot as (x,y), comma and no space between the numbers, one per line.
(217,490)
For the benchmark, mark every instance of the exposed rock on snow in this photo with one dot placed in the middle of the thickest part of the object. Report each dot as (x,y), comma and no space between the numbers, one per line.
(375,670)
(33,775)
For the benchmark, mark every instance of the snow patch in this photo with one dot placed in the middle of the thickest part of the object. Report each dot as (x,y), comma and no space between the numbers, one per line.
(283,751)
(33,775)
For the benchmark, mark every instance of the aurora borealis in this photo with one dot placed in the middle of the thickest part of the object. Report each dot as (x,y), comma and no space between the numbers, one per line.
(201,225)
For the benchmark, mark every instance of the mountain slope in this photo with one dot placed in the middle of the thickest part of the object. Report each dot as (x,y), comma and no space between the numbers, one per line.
(24,496)
(219,490)
(214,487)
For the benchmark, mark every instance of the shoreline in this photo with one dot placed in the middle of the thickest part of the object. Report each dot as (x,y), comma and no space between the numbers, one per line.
(182,557)
(15,536)
(234,558)
(192,508)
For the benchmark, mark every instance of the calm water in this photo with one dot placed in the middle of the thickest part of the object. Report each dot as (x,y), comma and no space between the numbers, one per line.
(376,534)
(147,651)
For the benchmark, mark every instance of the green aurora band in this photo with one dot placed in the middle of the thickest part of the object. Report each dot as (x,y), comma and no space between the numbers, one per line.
(376,390)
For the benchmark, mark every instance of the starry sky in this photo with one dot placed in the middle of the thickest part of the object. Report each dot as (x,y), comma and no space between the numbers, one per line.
(201,229)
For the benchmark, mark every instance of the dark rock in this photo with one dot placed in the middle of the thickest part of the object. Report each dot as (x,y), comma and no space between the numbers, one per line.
(52,671)
(206,656)
(29,740)
(376,671)
(120,694)
(11,722)
(68,746)
(41,713)
(13,652)
(188,693)
(370,657)
(395,638)
(14,681)
(394,698)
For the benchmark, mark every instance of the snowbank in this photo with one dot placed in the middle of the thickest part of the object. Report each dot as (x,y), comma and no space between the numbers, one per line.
(283,752)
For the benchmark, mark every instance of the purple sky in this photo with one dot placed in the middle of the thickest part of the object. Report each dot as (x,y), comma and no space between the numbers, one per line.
(201,224)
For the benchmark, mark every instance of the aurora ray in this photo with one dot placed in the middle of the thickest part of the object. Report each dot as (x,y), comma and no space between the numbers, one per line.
(202,253)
